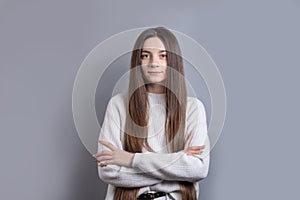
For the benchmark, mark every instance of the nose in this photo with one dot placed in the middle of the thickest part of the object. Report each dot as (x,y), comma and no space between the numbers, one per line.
(154,61)
(153,65)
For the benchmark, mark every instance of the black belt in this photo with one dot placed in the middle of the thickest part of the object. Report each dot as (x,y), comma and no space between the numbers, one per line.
(149,196)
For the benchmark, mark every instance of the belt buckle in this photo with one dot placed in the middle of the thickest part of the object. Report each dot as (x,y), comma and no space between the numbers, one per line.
(151,193)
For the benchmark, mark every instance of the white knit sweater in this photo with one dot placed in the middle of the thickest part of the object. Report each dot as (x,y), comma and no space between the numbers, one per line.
(161,170)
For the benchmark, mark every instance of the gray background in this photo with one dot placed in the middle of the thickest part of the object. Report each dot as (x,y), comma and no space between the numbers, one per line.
(254,43)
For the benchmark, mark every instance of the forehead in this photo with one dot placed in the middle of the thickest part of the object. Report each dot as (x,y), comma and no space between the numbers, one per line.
(153,43)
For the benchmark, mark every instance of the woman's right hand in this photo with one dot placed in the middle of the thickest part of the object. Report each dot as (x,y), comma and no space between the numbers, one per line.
(193,150)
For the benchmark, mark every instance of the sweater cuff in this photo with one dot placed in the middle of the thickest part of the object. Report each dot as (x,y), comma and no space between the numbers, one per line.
(136,160)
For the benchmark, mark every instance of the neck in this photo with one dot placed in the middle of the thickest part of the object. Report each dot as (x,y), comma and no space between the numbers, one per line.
(155,88)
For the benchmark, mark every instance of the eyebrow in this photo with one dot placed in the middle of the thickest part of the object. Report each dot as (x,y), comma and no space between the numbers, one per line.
(161,51)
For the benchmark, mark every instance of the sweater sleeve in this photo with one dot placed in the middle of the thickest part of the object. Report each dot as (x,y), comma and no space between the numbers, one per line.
(113,174)
(178,166)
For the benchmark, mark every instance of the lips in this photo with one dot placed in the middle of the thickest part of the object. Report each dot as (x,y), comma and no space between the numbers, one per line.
(155,73)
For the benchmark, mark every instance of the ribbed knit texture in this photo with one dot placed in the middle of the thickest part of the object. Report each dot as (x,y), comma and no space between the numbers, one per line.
(161,170)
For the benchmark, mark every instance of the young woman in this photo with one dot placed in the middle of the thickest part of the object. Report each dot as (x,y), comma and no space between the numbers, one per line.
(153,143)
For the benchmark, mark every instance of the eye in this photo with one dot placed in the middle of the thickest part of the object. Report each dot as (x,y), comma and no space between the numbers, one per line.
(145,56)
(163,56)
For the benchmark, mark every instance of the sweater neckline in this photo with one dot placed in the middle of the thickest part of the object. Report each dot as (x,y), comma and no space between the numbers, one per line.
(156,98)
(156,94)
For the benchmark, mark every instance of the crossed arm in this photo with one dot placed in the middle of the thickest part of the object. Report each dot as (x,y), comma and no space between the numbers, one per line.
(126,169)
(123,158)
(149,168)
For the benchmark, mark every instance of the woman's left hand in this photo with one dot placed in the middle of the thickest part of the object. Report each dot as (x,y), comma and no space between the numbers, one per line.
(192,150)
(114,157)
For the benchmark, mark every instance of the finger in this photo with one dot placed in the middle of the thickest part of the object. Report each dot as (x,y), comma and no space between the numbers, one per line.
(194,153)
(108,144)
(194,149)
(102,165)
(106,163)
(103,158)
(197,147)
(102,153)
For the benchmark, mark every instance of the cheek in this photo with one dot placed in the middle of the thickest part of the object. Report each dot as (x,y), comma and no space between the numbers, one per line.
(143,69)
(165,68)
(144,62)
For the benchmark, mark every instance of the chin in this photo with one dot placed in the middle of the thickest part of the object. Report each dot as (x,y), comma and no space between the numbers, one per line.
(155,80)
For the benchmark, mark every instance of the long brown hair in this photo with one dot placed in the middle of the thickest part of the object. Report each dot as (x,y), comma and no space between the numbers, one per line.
(136,133)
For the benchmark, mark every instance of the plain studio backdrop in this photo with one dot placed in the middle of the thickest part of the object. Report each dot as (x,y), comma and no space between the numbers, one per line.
(255,45)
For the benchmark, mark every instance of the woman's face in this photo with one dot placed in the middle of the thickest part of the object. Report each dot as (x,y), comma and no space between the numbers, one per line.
(154,60)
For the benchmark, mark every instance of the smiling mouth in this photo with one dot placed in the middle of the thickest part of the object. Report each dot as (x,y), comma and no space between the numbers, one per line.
(154,72)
